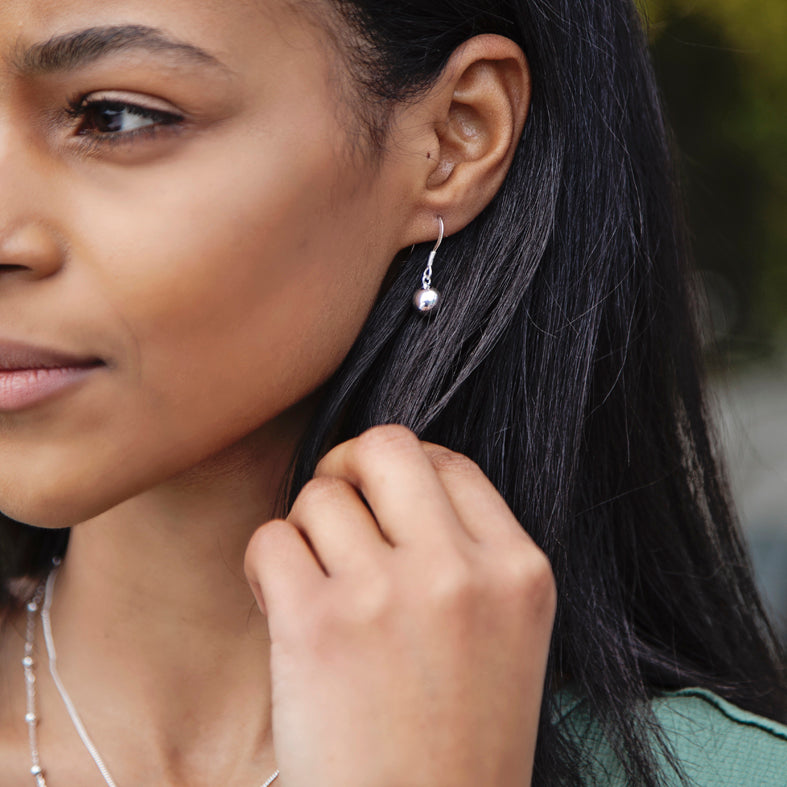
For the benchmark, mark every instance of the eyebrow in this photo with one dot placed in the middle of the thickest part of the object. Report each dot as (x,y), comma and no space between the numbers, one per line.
(72,50)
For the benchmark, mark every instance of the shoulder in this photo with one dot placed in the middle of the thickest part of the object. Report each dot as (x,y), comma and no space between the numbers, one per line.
(716,743)
(719,743)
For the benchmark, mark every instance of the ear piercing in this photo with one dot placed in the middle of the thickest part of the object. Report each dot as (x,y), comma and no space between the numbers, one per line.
(427,298)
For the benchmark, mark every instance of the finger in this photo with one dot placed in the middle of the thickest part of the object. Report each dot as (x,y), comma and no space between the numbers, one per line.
(397,479)
(480,507)
(283,572)
(340,528)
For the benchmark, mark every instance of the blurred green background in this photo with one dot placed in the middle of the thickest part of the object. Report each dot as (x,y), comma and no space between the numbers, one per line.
(722,66)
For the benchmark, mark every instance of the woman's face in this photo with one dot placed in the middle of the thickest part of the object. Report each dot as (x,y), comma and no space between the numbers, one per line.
(181,199)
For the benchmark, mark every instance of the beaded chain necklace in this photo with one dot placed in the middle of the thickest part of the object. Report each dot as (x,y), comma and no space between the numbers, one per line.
(42,601)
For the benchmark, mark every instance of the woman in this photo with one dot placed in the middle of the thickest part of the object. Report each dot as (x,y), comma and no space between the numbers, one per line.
(215,218)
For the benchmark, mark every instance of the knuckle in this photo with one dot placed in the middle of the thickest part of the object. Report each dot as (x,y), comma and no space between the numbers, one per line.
(385,438)
(449,461)
(371,605)
(527,577)
(451,585)
(264,541)
(265,534)
(544,590)
(320,492)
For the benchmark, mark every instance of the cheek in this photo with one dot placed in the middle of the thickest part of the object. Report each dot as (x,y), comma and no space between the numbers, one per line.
(224,282)
(253,294)
(224,304)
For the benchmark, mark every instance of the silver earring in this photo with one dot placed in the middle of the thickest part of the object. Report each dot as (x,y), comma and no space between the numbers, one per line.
(427,298)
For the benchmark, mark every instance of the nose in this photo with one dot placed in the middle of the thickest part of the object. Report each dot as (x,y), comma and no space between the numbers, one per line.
(29,250)
(30,246)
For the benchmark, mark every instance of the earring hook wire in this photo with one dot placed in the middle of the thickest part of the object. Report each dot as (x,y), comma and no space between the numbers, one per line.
(441,235)
(426,279)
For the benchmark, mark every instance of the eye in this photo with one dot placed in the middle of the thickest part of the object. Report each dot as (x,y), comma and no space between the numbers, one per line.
(112,118)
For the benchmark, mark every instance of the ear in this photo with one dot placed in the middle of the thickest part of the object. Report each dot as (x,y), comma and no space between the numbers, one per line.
(465,132)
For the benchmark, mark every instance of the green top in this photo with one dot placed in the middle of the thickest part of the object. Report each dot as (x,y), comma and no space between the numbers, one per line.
(716,743)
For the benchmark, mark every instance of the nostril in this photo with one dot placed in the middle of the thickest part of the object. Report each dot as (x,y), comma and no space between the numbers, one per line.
(31,249)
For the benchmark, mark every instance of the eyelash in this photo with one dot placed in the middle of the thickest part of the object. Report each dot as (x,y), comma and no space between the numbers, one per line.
(80,108)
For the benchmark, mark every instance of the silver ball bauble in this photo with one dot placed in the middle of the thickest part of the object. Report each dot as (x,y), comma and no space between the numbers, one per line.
(426,300)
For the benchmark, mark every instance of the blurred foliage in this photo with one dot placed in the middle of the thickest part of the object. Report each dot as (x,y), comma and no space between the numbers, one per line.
(722,67)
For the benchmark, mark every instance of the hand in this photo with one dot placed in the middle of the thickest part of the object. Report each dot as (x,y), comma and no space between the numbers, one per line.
(409,635)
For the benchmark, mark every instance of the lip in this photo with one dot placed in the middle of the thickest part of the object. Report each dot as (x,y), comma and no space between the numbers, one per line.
(30,375)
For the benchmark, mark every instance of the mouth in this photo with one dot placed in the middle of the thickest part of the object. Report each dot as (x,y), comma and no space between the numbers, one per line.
(30,375)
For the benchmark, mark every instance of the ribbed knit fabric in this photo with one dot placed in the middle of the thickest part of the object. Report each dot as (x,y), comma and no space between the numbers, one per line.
(716,743)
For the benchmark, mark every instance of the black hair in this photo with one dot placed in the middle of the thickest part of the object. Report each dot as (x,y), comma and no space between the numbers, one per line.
(565,361)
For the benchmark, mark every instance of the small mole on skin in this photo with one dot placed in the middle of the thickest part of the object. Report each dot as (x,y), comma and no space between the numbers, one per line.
(429,154)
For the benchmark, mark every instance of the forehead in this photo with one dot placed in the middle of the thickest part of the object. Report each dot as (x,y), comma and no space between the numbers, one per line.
(46,12)
(230,30)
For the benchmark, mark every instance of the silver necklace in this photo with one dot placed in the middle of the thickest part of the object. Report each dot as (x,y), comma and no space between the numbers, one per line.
(42,600)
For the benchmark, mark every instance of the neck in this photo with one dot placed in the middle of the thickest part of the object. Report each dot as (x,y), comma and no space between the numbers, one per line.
(155,625)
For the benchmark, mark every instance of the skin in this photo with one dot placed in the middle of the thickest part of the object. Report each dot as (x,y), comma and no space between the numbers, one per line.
(221,266)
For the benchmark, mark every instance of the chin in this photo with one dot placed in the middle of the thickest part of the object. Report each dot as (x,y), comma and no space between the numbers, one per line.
(46,517)
(49,508)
